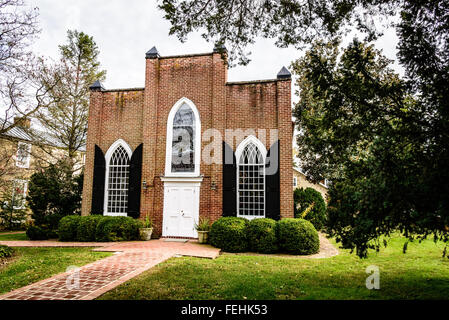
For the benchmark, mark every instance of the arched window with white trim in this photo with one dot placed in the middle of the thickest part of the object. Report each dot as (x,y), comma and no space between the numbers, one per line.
(117,179)
(183,140)
(250,156)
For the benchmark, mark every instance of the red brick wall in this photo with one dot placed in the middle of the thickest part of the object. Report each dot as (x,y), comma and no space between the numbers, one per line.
(112,116)
(140,116)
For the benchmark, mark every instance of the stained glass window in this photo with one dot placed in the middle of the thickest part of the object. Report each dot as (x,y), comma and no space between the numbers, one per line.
(183,151)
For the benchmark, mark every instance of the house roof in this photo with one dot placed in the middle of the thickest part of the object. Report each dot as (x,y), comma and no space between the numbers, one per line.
(299,170)
(35,136)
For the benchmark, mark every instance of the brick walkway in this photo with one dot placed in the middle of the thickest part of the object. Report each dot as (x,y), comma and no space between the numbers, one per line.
(94,279)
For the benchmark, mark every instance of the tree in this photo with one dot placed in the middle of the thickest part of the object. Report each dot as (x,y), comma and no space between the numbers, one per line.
(54,192)
(22,92)
(290,22)
(66,118)
(310,205)
(363,128)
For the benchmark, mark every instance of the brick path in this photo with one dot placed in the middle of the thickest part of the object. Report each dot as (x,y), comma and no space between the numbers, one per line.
(96,278)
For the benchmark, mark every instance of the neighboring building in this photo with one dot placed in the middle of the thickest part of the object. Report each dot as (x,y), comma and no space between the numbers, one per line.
(21,155)
(147,147)
(300,181)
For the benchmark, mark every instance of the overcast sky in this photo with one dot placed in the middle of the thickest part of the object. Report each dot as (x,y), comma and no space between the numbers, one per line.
(125,29)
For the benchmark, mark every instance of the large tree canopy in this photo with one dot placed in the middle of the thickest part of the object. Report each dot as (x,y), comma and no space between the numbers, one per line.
(290,22)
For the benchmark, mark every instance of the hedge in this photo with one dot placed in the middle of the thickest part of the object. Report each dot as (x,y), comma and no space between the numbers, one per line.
(297,236)
(262,236)
(117,229)
(38,233)
(230,234)
(68,228)
(87,228)
(98,229)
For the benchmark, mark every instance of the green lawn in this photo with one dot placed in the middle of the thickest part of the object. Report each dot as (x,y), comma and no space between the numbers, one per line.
(421,273)
(13,236)
(30,265)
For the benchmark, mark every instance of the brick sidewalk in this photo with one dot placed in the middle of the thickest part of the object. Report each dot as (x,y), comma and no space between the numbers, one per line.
(98,277)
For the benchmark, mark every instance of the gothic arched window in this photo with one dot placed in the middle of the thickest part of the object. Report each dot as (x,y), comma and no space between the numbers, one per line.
(117,179)
(183,147)
(251,179)
(183,140)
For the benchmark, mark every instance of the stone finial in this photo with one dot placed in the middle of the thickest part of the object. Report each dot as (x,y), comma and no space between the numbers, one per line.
(152,54)
(97,86)
(284,74)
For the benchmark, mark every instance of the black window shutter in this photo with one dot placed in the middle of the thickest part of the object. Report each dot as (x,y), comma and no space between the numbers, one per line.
(272,183)
(98,182)
(229,182)
(135,182)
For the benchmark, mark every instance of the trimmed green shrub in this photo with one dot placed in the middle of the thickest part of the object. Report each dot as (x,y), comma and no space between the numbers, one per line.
(6,252)
(37,233)
(230,234)
(117,229)
(297,236)
(87,228)
(262,236)
(68,227)
(310,205)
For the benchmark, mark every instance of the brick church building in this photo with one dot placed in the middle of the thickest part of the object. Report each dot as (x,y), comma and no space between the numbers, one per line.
(190,144)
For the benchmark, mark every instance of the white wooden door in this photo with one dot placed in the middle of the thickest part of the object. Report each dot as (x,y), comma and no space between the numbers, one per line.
(181,211)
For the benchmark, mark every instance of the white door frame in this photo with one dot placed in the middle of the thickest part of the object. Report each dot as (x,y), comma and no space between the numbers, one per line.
(170,182)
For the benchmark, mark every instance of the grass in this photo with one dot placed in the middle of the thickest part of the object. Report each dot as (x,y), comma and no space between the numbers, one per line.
(30,265)
(13,236)
(421,273)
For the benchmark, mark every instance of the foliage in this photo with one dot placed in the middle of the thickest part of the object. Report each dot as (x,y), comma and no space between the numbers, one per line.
(297,23)
(297,236)
(78,69)
(68,228)
(117,229)
(310,204)
(262,235)
(378,140)
(54,193)
(229,234)
(37,233)
(148,223)
(203,224)
(99,229)
(6,252)
(87,228)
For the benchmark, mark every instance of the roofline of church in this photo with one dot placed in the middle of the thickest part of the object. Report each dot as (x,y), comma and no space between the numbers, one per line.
(283,75)
(232,83)
(186,55)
